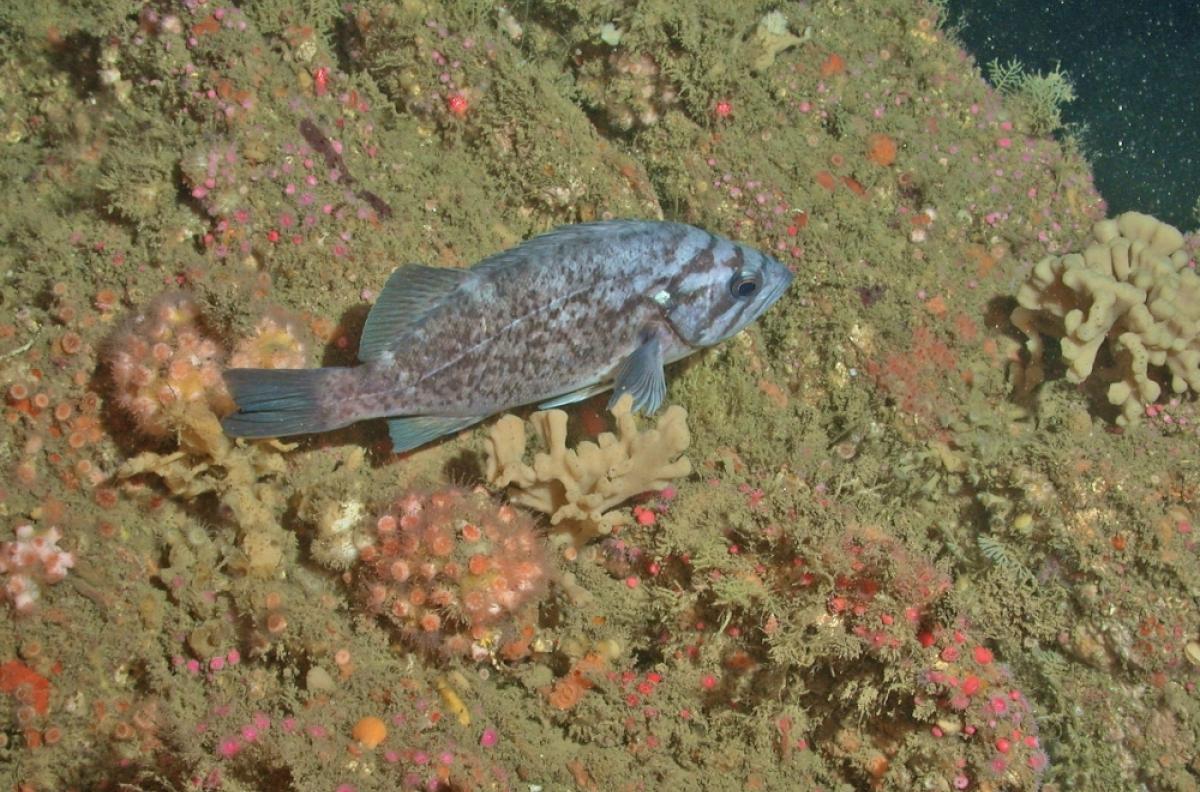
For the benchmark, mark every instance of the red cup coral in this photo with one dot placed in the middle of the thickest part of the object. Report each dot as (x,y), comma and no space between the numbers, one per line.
(456,572)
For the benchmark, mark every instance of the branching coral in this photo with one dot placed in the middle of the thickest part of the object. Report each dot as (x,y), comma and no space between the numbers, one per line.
(577,487)
(1133,288)
(242,476)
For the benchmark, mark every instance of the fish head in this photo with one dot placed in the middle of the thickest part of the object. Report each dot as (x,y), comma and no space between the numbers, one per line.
(725,288)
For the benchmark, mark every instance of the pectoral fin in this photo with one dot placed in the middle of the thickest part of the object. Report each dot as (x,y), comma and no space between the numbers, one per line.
(409,432)
(641,375)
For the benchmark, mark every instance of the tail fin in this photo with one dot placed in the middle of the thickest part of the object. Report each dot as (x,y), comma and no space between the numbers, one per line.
(279,402)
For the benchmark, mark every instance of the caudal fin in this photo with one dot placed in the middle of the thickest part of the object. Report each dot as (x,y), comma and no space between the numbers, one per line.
(278,402)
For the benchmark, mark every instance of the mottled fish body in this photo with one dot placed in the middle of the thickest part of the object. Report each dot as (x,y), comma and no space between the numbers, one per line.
(554,320)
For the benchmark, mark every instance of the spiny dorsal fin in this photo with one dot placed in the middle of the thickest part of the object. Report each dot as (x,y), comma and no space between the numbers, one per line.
(564,237)
(410,293)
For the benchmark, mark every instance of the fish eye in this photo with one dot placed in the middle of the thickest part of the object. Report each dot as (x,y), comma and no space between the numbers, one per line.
(744,285)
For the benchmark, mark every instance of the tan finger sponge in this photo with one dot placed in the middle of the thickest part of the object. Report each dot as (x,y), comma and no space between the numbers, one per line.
(1131,288)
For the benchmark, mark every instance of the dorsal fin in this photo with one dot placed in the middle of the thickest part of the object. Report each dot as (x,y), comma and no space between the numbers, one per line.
(566,236)
(410,293)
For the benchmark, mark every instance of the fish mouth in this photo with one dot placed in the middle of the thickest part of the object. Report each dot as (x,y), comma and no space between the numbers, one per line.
(784,279)
(786,276)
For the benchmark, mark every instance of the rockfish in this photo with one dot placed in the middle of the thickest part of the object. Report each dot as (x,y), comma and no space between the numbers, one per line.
(560,317)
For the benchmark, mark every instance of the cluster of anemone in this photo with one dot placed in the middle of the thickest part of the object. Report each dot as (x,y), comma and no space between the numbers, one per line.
(161,361)
(32,559)
(456,572)
(630,89)
(278,341)
(214,174)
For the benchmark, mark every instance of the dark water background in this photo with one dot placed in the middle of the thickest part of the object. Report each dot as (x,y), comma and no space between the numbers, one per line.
(1135,65)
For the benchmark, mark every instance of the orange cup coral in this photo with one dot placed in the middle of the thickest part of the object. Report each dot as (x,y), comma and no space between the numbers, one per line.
(881,149)
(369,732)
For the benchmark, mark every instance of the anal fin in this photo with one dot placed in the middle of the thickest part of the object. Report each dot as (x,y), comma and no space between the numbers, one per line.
(409,432)
(579,395)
